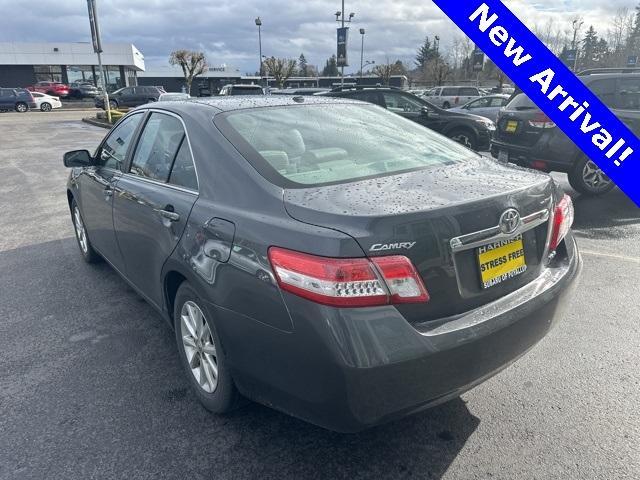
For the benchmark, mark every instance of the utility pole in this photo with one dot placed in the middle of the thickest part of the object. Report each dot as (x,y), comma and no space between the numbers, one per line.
(97,47)
(340,17)
(259,25)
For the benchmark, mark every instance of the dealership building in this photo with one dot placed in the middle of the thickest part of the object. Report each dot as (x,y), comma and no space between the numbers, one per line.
(23,64)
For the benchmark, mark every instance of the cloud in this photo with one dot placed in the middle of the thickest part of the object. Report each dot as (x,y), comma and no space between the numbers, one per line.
(227,33)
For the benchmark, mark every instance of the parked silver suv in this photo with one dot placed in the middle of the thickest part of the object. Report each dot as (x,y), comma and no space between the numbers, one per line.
(447,97)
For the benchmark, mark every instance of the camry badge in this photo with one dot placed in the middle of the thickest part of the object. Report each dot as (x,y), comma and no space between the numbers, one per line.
(377,247)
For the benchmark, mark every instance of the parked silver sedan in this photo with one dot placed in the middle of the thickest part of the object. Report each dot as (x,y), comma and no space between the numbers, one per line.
(487,107)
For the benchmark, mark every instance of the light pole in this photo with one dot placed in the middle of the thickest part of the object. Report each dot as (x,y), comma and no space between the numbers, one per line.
(340,18)
(361,53)
(368,62)
(97,47)
(259,25)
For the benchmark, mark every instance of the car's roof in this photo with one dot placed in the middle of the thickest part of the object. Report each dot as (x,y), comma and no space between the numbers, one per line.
(227,104)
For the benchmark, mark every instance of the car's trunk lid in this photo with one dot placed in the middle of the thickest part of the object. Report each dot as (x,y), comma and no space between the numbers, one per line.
(417,214)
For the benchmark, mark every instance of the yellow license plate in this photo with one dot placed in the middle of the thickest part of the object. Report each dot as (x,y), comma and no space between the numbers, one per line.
(500,261)
(511,126)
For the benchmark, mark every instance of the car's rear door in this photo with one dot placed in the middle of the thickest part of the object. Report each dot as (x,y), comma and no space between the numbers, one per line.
(97,184)
(153,200)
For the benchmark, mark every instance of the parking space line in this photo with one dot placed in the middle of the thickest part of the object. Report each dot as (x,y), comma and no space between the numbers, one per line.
(611,255)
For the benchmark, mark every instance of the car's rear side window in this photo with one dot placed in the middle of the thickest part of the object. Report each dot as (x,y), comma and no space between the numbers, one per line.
(449,92)
(605,90)
(301,145)
(629,94)
(521,102)
(183,172)
(157,148)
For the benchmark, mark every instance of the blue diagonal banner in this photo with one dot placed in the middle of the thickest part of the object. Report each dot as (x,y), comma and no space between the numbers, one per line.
(602,136)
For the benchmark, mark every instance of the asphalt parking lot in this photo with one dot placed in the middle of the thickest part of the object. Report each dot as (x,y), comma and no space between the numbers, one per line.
(91,386)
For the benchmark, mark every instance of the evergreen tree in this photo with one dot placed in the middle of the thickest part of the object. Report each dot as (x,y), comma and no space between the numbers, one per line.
(331,67)
(425,53)
(588,57)
(303,68)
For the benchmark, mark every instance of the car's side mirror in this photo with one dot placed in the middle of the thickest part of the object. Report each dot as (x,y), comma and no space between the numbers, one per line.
(425,112)
(77,158)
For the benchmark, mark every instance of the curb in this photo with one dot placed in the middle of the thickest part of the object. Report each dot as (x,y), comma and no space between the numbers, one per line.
(97,123)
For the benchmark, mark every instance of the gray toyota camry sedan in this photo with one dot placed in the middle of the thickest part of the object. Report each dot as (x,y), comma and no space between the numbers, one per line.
(323,256)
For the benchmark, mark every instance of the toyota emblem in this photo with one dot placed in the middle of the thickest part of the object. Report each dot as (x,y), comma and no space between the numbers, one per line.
(509,221)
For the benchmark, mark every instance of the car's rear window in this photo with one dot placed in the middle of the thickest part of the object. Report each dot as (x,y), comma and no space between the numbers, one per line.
(303,145)
(521,102)
(246,91)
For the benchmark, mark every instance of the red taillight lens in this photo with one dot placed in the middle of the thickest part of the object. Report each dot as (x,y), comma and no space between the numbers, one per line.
(541,121)
(402,279)
(348,282)
(562,221)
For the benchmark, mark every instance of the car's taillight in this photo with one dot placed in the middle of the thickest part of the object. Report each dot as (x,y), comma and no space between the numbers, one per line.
(562,221)
(541,121)
(348,282)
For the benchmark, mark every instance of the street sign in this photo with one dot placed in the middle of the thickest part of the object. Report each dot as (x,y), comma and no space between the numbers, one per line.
(343,35)
(478,60)
(632,60)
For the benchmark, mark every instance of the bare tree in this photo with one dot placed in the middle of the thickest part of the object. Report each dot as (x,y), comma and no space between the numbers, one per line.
(437,70)
(280,69)
(387,69)
(192,64)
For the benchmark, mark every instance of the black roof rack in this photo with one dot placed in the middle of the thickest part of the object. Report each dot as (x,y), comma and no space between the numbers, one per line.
(593,71)
(362,87)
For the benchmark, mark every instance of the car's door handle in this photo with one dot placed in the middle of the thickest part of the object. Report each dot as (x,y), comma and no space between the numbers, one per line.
(169,215)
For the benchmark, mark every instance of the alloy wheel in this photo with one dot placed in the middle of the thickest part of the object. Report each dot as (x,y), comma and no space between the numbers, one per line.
(21,107)
(594,178)
(45,107)
(463,139)
(81,233)
(199,346)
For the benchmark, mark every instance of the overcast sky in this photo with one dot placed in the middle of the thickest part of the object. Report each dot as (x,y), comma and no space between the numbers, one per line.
(225,29)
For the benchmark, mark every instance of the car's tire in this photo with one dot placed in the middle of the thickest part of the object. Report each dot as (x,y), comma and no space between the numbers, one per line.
(201,353)
(465,137)
(586,178)
(113,105)
(86,249)
(45,107)
(22,107)
(446,105)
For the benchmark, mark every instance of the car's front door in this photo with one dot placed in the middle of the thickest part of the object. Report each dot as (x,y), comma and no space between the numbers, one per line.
(153,201)
(7,99)
(126,97)
(97,186)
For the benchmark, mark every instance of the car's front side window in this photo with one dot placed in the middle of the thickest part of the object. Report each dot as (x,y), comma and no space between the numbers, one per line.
(399,103)
(157,148)
(114,149)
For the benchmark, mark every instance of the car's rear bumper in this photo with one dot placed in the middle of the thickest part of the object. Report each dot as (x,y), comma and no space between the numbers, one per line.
(540,158)
(349,369)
